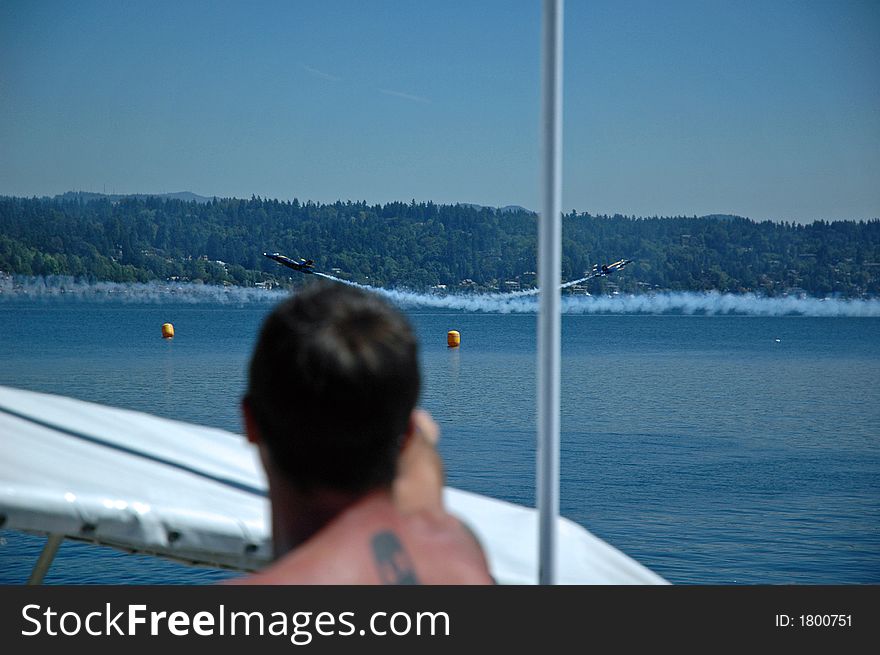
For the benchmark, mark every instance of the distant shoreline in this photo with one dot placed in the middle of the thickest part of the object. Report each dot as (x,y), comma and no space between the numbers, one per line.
(428,247)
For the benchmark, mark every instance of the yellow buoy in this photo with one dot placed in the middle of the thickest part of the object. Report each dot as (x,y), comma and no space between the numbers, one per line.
(453,338)
(167,331)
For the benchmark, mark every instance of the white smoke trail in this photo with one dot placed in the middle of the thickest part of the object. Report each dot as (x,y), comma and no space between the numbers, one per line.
(64,287)
(684,302)
(714,302)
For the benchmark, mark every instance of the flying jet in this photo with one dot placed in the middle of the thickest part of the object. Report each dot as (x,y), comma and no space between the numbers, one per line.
(605,269)
(303,265)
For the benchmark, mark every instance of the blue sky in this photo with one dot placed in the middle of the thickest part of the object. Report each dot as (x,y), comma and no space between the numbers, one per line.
(765,109)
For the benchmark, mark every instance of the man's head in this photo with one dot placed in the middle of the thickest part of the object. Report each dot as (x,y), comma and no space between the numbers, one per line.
(332,384)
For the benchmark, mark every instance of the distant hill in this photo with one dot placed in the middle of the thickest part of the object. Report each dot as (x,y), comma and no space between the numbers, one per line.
(515,208)
(423,245)
(507,209)
(87,196)
(723,217)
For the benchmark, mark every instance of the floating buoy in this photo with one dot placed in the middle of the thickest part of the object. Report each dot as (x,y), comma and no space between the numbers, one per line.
(453,338)
(167,331)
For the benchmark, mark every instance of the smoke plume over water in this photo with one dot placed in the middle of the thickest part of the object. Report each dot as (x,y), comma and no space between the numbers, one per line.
(709,303)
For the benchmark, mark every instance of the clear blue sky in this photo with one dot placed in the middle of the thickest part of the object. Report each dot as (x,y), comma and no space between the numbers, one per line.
(766,109)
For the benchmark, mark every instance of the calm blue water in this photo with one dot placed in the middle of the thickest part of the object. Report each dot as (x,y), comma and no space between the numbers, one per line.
(699,445)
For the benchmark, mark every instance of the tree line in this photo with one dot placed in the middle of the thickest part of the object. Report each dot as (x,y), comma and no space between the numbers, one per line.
(424,245)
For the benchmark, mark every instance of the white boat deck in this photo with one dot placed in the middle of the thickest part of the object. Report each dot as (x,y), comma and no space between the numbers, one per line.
(198,495)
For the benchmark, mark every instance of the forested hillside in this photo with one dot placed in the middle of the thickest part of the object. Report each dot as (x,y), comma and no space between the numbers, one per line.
(420,245)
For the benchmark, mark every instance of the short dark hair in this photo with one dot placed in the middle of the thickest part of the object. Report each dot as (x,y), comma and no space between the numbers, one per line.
(332,383)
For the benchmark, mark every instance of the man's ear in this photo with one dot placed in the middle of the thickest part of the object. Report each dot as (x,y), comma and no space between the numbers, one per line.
(250,425)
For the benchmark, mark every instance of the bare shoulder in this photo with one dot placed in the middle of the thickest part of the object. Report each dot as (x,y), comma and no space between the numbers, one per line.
(445,550)
(374,544)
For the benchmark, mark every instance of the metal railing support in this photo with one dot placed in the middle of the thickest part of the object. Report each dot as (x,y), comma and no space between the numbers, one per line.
(549,273)
(53,542)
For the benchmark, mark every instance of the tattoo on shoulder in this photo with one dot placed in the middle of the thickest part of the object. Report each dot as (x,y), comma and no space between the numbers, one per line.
(392,561)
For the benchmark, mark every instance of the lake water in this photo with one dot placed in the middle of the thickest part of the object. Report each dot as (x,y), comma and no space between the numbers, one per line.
(713,449)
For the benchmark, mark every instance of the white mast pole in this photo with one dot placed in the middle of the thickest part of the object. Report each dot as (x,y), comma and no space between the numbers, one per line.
(549,273)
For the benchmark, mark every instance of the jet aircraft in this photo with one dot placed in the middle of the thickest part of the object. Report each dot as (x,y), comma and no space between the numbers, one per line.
(303,265)
(605,269)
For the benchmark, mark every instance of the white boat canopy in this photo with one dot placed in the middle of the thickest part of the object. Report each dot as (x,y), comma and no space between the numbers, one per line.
(78,470)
